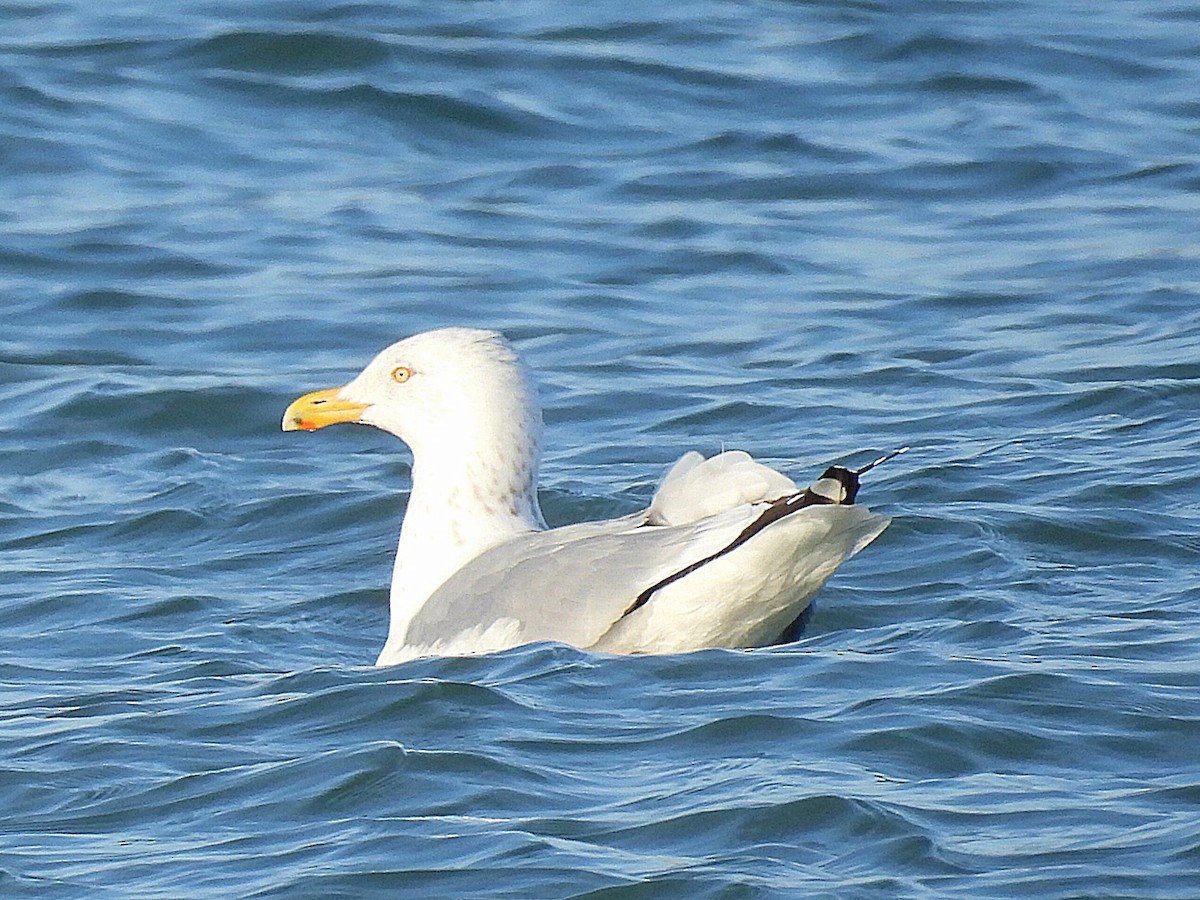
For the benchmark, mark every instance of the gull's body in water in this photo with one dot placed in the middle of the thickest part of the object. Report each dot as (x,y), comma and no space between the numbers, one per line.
(728,554)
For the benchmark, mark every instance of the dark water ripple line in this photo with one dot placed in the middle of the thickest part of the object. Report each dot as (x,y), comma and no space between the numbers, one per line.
(996,699)
(261,780)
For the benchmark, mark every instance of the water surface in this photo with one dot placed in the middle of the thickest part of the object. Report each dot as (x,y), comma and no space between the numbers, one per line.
(815,232)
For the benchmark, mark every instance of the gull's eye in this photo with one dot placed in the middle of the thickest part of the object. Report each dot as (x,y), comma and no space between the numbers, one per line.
(401,374)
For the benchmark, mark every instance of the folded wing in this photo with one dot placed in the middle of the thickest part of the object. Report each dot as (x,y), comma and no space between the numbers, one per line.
(692,569)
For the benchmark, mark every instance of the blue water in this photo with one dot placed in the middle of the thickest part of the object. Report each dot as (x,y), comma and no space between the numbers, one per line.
(813,231)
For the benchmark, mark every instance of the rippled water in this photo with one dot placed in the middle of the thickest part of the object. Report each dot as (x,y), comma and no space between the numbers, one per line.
(813,231)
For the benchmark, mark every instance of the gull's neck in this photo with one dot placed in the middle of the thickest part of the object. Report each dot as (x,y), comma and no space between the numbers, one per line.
(463,501)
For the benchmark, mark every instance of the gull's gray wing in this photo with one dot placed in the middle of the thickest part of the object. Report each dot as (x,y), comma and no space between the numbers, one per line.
(594,582)
(570,584)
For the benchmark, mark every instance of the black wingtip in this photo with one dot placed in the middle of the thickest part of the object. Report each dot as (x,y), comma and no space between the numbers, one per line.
(839,485)
(869,466)
(848,480)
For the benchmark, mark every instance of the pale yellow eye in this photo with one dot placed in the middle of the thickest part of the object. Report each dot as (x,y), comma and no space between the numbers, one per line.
(401,374)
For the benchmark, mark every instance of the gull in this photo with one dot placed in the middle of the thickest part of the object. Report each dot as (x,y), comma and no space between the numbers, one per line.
(728,553)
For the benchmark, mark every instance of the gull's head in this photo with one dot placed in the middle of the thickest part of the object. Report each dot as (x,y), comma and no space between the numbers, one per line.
(454,387)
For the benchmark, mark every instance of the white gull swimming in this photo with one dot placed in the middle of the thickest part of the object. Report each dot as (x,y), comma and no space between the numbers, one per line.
(728,554)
